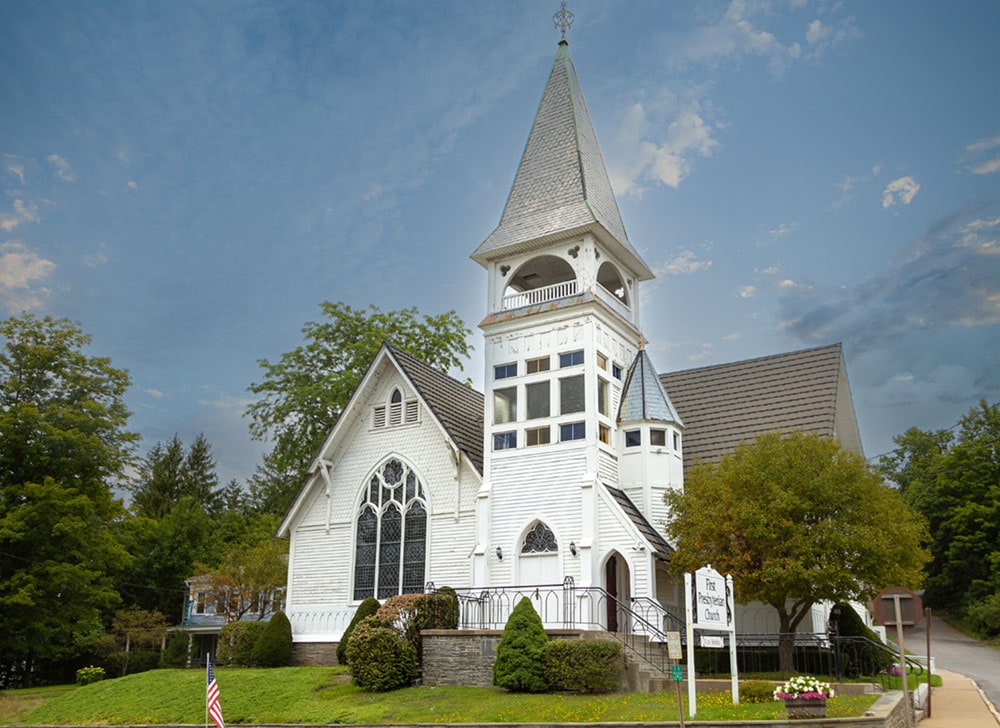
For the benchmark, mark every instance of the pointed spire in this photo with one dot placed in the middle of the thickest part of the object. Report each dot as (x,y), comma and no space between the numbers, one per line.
(644,397)
(562,186)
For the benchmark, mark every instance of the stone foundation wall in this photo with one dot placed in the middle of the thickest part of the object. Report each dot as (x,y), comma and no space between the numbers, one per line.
(466,657)
(314,654)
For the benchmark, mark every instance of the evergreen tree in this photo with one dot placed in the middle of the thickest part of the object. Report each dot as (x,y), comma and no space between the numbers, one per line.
(520,666)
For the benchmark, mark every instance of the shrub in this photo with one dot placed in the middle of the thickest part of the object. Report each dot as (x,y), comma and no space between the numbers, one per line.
(274,646)
(175,654)
(519,666)
(87,675)
(583,666)
(756,691)
(366,609)
(867,658)
(380,657)
(984,615)
(410,613)
(129,663)
(236,642)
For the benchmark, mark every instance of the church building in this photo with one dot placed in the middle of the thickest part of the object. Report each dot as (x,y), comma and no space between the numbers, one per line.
(552,481)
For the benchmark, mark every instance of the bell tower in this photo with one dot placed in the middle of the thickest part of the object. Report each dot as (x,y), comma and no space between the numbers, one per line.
(561,333)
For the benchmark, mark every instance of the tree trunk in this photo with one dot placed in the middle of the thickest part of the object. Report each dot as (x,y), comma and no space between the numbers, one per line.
(788,621)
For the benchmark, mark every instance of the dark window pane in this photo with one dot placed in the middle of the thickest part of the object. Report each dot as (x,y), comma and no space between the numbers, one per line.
(392,473)
(571,358)
(364,555)
(633,438)
(414,549)
(571,397)
(539,540)
(572,431)
(538,400)
(389,552)
(504,405)
(503,371)
(504,440)
(658,437)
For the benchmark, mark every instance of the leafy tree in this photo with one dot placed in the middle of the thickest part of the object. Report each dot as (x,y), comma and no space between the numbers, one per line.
(63,428)
(303,393)
(247,580)
(167,474)
(520,664)
(796,520)
(952,477)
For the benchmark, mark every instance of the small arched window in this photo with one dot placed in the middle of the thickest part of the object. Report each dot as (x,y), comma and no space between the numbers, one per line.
(397,412)
(391,538)
(539,540)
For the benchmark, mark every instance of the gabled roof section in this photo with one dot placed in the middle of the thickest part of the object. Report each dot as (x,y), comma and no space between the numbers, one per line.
(660,545)
(643,397)
(562,186)
(727,404)
(459,408)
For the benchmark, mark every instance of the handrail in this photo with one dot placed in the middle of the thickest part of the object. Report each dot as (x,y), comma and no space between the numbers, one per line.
(544,294)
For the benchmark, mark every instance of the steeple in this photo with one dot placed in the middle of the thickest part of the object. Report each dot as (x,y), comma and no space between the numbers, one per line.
(644,397)
(562,187)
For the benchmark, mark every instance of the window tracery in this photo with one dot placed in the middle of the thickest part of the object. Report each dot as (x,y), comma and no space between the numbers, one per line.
(539,540)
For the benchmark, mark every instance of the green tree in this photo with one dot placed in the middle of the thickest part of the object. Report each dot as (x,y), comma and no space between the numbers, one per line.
(952,477)
(520,666)
(64,440)
(248,579)
(274,646)
(303,393)
(796,520)
(168,473)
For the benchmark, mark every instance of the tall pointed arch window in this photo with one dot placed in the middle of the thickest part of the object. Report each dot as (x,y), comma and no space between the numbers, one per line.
(391,538)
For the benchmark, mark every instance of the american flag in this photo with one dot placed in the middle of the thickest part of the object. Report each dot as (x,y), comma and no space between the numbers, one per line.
(214,708)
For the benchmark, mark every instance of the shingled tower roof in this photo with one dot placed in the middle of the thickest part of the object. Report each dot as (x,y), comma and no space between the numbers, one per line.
(644,397)
(562,187)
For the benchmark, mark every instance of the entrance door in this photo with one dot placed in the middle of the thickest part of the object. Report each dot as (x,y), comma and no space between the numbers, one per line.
(611,587)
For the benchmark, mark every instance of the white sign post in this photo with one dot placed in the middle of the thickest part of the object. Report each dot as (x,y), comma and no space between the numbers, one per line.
(709,606)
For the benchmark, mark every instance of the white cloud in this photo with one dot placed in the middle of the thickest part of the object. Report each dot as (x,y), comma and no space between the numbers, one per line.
(97,259)
(732,337)
(21,270)
(155,393)
(988,167)
(771,270)
(983,145)
(704,353)
(227,402)
(748,291)
(23,212)
(63,170)
(16,169)
(902,190)
(789,285)
(684,263)
(133,185)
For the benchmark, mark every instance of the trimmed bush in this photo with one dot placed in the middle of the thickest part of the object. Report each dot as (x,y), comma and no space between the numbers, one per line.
(380,657)
(175,654)
(274,646)
(236,643)
(519,666)
(583,666)
(756,691)
(87,675)
(410,613)
(850,624)
(366,609)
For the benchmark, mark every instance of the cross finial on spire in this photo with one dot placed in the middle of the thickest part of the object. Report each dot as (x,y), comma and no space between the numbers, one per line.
(563,19)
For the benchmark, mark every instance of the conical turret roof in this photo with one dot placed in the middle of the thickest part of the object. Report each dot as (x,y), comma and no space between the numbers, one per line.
(644,397)
(562,186)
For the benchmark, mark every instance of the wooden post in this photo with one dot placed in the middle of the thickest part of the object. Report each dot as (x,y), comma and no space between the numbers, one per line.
(927,616)
(902,664)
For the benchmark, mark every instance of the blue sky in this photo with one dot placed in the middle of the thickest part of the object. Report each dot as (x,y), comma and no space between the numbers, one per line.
(189,181)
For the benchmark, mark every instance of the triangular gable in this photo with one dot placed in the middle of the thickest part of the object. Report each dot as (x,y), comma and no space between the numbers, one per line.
(445,403)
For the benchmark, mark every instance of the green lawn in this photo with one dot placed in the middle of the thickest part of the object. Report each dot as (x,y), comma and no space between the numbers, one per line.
(326,695)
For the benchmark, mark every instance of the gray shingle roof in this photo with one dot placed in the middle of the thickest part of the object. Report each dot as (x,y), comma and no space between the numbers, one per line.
(562,185)
(727,404)
(643,397)
(458,407)
(654,537)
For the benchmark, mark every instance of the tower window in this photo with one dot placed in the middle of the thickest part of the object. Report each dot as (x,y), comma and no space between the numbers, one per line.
(602,396)
(571,358)
(658,438)
(616,371)
(677,441)
(503,371)
(602,361)
(571,395)
(604,433)
(633,438)
(541,364)
(504,405)
(572,431)
(505,440)
(537,436)
(537,396)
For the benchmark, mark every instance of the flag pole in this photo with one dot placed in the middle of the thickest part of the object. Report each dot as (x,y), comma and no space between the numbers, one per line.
(208,666)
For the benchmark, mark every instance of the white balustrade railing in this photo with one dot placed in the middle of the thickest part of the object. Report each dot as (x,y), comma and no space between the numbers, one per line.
(540,295)
(612,300)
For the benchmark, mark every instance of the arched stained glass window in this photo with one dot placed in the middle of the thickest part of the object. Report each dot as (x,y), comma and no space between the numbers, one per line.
(539,540)
(391,540)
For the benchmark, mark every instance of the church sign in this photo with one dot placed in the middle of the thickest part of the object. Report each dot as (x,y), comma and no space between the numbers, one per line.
(711,610)
(709,606)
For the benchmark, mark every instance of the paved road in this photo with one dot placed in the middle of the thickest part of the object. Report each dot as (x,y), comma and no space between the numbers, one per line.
(953,651)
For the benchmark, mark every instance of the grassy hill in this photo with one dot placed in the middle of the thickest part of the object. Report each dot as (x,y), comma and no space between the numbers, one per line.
(326,695)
